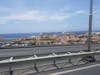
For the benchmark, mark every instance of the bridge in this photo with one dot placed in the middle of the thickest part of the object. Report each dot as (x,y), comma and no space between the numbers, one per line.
(36,63)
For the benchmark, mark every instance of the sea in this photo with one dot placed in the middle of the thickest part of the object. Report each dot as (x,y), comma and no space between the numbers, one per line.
(23,35)
(13,36)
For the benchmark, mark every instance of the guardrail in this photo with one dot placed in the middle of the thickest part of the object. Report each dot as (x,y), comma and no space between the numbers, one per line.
(56,60)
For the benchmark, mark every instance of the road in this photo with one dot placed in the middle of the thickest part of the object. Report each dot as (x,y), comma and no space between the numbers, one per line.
(43,50)
(88,69)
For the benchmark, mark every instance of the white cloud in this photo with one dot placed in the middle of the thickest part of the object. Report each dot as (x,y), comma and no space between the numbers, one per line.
(30,15)
(59,17)
(80,12)
(35,15)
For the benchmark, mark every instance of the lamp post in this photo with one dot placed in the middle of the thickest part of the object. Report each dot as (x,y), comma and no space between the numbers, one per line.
(90,25)
(92,57)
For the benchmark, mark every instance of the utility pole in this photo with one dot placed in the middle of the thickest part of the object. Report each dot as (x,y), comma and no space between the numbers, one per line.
(90,25)
(92,57)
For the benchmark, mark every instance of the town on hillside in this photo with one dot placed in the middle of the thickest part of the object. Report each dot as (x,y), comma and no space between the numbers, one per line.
(51,39)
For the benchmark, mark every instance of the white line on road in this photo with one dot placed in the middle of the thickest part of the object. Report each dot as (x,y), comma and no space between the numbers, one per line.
(73,70)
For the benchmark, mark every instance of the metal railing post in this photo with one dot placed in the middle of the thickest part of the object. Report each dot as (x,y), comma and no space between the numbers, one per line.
(54,63)
(70,61)
(35,67)
(10,70)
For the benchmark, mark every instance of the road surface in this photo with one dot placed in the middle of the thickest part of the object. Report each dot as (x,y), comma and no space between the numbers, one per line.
(88,69)
(43,50)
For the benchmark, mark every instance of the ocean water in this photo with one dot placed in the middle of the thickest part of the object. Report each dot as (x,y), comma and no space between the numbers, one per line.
(16,35)
(22,35)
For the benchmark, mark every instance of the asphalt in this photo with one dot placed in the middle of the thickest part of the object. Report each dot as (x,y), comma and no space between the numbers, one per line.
(43,50)
(87,69)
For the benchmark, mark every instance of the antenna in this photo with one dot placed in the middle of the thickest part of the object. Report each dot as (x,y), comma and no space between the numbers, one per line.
(90,25)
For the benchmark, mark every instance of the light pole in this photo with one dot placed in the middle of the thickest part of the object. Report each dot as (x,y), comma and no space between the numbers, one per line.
(90,25)
(92,57)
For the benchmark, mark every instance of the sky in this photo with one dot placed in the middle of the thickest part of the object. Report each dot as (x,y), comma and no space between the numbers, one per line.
(25,16)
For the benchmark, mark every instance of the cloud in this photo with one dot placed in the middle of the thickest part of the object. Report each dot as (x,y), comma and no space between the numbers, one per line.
(30,15)
(36,15)
(58,17)
(80,12)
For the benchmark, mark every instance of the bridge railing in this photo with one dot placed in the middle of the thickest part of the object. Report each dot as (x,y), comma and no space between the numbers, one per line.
(36,64)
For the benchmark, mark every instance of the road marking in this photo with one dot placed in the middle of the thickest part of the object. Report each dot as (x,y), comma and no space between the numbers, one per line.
(73,70)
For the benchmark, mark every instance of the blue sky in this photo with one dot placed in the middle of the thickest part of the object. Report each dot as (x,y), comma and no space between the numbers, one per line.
(21,16)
